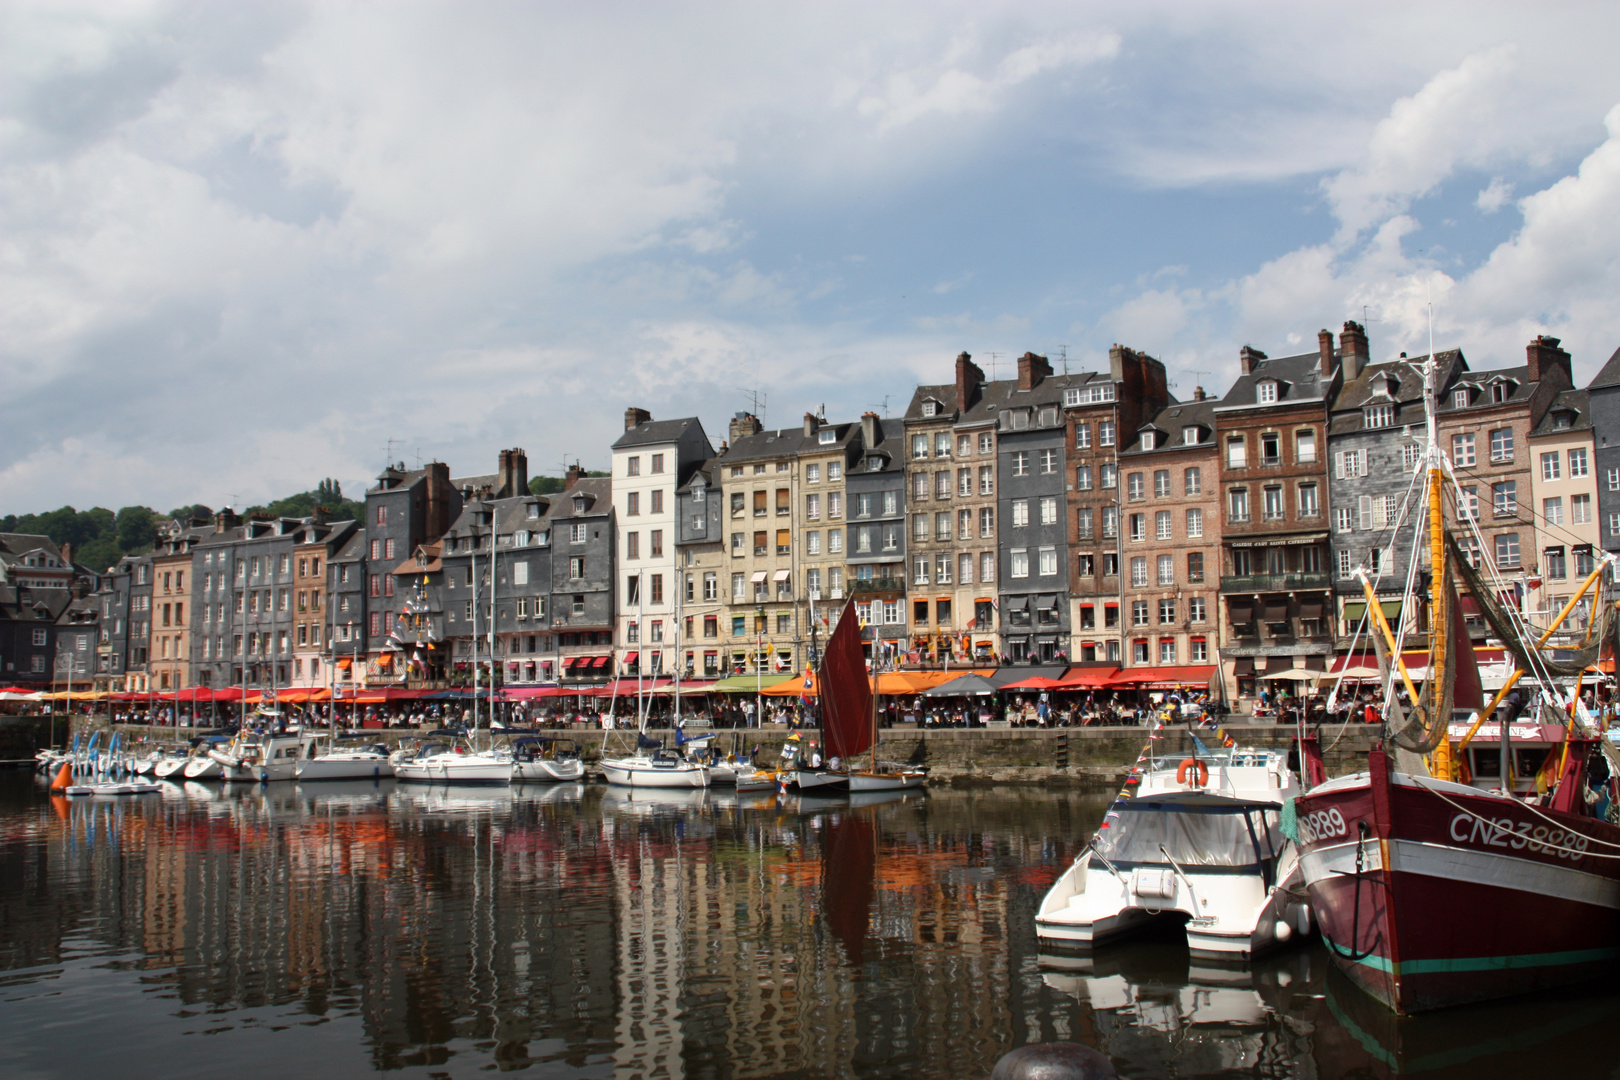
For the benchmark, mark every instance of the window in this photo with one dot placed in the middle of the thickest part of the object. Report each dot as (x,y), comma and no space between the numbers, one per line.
(1019,563)
(964,569)
(1553,511)
(987,566)
(1161,525)
(1020,463)
(382,517)
(1085,566)
(1505,498)
(835,542)
(1049,510)
(1082,436)
(1192,481)
(1149,440)
(1195,567)
(1020,513)
(835,471)
(1139,617)
(1110,522)
(1344,519)
(632,545)
(919,526)
(1583,560)
(1237,453)
(1270,449)
(812,507)
(1469,505)
(784,541)
(632,466)
(1105,432)
(1167,570)
(1082,478)
(1273,503)
(1305,446)
(987,480)
(1267,390)
(1195,522)
(1577,462)
(812,542)
(1049,461)
(1134,488)
(1083,523)
(891,503)
(1138,528)
(1614,524)
(987,521)
(827,436)
(761,542)
(1580,509)
(632,502)
(1049,561)
(1550,466)
(1507,551)
(1614,479)
(1462,450)
(1411,457)
(1378,416)
(576,567)
(1344,563)
(1348,464)
(1161,484)
(964,482)
(1237,503)
(1459,398)
(1502,445)
(1108,476)
(1552,563)
(919,443)
(942,485)
(987,443)
(1309,506)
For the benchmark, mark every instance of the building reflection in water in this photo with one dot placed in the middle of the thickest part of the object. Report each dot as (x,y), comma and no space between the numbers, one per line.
(582,931)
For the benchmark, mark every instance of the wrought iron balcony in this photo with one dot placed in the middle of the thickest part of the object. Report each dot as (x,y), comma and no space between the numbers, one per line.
(1261,583)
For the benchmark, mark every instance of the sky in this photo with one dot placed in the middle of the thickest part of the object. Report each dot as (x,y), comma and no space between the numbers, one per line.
(247,246)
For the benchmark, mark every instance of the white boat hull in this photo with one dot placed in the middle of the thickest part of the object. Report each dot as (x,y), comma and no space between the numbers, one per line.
(548,771)
(455,769)
(821,783)
(904,780)
(342,766)
(202,768)
(647,773)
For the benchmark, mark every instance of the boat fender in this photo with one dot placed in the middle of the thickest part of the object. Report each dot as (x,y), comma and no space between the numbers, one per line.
(1198,770)
(1054,1061)
(1282,930)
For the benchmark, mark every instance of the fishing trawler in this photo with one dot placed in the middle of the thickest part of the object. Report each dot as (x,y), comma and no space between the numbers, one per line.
(1431,885)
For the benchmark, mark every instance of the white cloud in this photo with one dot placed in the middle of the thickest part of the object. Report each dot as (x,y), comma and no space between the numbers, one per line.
(1494,196)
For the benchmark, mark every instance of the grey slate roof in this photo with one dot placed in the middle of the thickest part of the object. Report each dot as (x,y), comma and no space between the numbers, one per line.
(1480,382)
(787,442)
(1573,405)
(1609,375)
(1298,380)
(655,431)
(1406,390)
(1169,423)
(998,395)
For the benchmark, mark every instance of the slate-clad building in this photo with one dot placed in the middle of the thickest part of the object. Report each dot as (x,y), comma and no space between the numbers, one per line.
(1605,401)
(877,536)
(248,631)
(405,509)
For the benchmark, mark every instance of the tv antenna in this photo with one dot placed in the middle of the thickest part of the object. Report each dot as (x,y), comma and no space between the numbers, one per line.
(388,454)
(1195,375)
(756,402)
(1063,358)
(884,406)
(995,358)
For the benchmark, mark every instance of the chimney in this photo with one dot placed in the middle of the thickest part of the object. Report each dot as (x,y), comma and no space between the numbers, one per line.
(969,382)
(226,519)
(1198,393)
(810,425)
(1353,351)
(743,425)
(1324,351)
(574,476)
(438,514)
(1543,354)
(512,476)
(67,552)
(634,418)
(871,431)
(1248,357)
(1031,370)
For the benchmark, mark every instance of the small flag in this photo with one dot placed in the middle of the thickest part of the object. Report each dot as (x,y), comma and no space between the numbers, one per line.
(781,783)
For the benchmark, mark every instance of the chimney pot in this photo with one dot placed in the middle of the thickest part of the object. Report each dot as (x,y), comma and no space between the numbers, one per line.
(1353,350)
(1324,349)
(1248,357)
(1198,393)
(969,382)
(634,418)
(1543,354)
(871,433)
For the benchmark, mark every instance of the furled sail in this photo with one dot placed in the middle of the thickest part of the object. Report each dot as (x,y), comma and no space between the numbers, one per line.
(846,695)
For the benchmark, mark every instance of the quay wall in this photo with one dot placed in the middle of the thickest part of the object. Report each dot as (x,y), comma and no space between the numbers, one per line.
(1083,757)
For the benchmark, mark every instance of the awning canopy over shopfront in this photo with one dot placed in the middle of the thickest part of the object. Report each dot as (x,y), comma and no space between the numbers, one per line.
(1167,677)
(1087,678)
(1354,610)
(969,685)
(748,684)
(1239,612)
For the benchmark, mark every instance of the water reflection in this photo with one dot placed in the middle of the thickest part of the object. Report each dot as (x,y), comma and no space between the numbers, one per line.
(566,930)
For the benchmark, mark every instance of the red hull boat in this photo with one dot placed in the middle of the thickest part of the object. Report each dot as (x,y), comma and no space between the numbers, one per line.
(1430,893)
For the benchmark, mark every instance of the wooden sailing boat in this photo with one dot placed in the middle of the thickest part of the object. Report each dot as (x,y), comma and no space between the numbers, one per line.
(1430,891)
(849,718)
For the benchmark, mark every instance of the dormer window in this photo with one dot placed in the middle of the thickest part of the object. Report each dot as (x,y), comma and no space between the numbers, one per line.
(1049,416)
(874,464)
(1189,435)
(1459,398)
(1502,390)
(520,538)
(828,436)
(534,510)
(1562,420)
(1267,391)
(1071,397)
(1150,440)
(930,407)
(1377,416)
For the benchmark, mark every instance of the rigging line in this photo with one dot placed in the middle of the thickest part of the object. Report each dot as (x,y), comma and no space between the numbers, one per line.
(1534,810)
(1534,514)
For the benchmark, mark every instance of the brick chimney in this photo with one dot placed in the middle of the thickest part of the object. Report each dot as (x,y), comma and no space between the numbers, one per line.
(969,382)
(1198,393)
(744,425)
(574,475)
(634,418)
(1324,352)
(226,519)
(1543,354)
(1248,357)
(871,430)
(811,424)
(512,476)
(1031,370)
(1353,351)
(67,552)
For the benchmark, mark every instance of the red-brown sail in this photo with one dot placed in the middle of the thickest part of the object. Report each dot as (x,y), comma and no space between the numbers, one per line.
(846,695)
(1466,689)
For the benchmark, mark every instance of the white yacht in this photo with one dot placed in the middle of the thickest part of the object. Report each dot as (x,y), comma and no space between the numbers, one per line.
(661,768)
(346,763)
(1200,842)
(546,760)
(263,757)
(437,762)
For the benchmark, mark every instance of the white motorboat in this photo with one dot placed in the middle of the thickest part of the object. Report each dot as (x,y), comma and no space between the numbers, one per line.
(202,767)
(546,760)
(139,785)
(820,781)
(1201,842)
(263,757)
(886,778)
(663,768)
(436,762)
(358,763)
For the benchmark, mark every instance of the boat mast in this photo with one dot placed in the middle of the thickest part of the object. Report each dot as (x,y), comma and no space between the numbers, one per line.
(1440,629)
(473,573)
(494,545)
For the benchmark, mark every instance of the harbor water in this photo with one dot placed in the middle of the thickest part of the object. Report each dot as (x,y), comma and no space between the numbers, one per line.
(580,931)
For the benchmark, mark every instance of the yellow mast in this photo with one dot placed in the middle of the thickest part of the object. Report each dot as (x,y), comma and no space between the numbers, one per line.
(1439,596)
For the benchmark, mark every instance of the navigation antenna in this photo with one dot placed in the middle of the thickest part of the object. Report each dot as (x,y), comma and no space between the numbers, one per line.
(756,402)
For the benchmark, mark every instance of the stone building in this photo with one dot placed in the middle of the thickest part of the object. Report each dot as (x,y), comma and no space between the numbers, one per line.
(175,617)
(1104,414)
(405,510)
(877,539)
(1276,585)
(700,547)
(651,460)
(314,546)
(1375,447)
(1605,416)
(1485,420)
(1171,575)
(346,603)
(583,609)
(42,620)
(1564,494)
(246,637)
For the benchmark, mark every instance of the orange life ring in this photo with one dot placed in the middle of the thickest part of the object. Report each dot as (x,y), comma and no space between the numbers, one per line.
(1199,770)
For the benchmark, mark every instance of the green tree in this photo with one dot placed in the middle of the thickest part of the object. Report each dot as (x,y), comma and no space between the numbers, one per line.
(136,529)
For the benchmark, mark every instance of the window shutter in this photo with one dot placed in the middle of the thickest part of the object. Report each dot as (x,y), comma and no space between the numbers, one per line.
(1366,511)
(1338,465)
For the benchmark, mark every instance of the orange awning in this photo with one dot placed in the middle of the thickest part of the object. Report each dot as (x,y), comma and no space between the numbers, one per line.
(794,687)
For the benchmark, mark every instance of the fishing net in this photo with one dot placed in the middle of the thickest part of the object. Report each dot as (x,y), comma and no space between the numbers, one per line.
(1552,661)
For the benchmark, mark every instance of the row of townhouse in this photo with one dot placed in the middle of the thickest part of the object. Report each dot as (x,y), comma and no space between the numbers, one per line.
(1088,517)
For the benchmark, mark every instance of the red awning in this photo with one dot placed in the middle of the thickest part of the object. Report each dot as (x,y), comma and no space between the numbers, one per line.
(601,661)
(630,658)
(1167,677)
(1086,678)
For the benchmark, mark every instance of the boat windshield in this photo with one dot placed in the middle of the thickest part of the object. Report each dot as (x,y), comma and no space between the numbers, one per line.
(1223,838)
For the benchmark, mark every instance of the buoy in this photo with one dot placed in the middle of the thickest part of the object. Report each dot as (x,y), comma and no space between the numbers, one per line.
(1199,770)
(1054,1061)
(64,777)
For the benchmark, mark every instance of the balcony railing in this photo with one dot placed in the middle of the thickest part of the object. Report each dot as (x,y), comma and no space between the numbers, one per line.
(1259,583)
(886,584)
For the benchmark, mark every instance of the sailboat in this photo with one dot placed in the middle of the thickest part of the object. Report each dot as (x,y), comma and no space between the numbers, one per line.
(652,764)
(849,719)
(1430,891)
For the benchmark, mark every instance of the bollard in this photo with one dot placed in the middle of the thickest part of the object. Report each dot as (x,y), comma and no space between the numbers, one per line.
(1054,1061)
